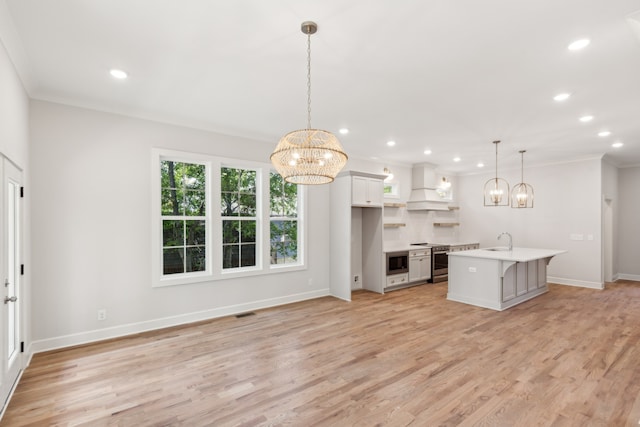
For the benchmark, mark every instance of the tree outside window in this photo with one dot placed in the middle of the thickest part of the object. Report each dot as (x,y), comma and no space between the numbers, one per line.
(284,220)
(183,187)
(238,209)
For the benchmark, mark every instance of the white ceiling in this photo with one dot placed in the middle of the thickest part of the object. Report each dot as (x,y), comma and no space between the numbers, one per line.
(450,76)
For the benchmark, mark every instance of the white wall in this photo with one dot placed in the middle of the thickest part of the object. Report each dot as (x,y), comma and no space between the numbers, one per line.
(92,233)
(629,225)
(14,114)
(567,201)
(14,145)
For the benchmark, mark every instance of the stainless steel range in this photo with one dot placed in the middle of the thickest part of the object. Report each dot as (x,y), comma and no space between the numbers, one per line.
(439,261)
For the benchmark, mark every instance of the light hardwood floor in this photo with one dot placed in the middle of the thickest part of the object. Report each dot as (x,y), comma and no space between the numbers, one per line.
(568,358)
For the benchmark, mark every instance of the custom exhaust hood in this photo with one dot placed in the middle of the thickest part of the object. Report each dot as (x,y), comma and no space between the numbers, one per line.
(426,194)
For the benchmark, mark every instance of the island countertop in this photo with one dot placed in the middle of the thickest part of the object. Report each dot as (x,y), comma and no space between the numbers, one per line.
(515,255)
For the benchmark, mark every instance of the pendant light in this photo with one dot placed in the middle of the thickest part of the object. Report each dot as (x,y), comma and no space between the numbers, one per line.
(522,193)
(309,156)
(496,190)
(388,173)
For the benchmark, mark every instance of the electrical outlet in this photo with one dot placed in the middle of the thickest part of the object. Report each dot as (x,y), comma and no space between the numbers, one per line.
(355,279)
(102,314)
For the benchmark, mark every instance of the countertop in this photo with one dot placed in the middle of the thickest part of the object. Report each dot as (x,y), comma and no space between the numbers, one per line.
(517,254)
(459,243)
(400,247)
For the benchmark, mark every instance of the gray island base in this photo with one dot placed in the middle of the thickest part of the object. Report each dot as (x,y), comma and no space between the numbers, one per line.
(498,278)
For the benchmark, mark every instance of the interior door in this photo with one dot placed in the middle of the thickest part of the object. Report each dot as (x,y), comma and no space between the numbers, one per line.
(10,325)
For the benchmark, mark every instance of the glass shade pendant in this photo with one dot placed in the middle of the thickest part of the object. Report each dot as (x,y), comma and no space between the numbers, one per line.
(522,193)
(309,156)
(388,173)
(496,190)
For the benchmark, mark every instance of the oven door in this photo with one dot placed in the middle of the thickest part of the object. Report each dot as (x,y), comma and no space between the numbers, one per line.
(440,263)
(397,263)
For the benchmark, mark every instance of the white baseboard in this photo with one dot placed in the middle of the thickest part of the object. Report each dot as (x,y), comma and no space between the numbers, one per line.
(134,328)
(479,302)
(578,283)
(622,276)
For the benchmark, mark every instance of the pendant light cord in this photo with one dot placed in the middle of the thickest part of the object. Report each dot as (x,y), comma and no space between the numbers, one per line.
(308,81)
(496,143)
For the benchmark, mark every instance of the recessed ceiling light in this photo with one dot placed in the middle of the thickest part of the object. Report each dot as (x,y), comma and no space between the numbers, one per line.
(579,44)
(427,152)
(344,131)
(585,119)
(604,133)
(561,97)
(480,165)
(391,143)
(617,144)
(118,74)
(456,159)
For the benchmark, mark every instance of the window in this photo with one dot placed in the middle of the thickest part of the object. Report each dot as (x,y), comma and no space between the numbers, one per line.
(284,220)
(238,212)
(216,218)
(184,217)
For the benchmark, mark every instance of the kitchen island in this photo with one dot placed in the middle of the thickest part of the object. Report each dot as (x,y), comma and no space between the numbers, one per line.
(498,278)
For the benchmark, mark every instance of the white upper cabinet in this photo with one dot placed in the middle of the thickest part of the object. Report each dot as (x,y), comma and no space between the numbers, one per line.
(367,191)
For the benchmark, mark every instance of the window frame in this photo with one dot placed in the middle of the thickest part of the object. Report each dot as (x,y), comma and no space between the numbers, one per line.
(299,218)
(213,228)
(257,218)
(160,279)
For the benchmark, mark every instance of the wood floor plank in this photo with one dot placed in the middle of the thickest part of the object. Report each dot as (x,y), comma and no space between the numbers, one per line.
(408,358)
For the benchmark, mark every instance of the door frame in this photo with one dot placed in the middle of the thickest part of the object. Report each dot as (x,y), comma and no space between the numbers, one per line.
(11,171)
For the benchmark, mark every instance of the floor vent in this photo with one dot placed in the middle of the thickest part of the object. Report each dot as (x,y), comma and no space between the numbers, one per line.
(250,313)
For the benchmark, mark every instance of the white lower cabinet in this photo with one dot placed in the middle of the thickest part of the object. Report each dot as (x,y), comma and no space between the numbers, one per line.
(523,278)
(419,265)
(497,280)
(397,279)
(509,285)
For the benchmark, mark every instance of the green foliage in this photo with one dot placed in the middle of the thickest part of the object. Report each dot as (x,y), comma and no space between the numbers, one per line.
(284,224)
(238,192)
(184,240)
(284,197)
(183,187)
(238,199)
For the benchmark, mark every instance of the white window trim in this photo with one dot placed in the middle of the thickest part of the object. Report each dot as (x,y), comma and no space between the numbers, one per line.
(302,233)
(259,168)
(214,270)
(158,279)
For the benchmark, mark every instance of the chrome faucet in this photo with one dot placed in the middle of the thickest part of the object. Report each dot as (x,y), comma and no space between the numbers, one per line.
(510,239)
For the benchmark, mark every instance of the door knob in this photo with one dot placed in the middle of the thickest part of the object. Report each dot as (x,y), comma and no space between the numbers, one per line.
(10,299)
